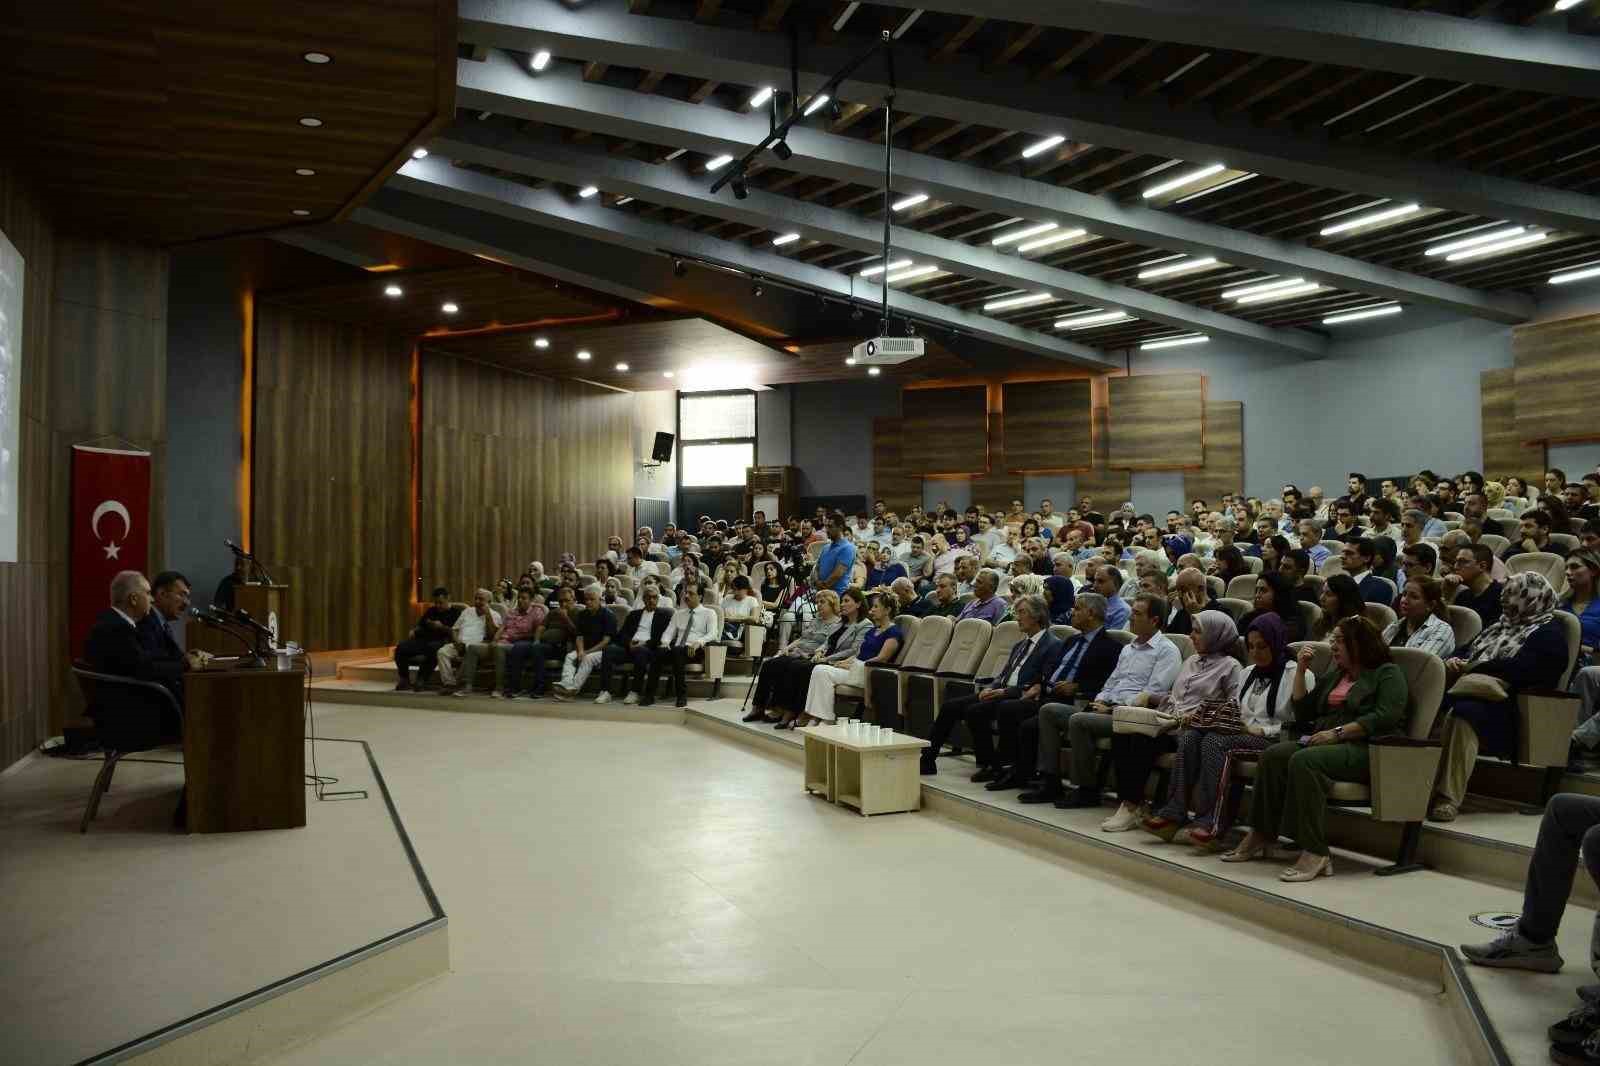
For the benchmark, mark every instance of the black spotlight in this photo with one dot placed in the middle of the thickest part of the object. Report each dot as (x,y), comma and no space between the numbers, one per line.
(679,268)
(755,288)
(740,190)
(782,150)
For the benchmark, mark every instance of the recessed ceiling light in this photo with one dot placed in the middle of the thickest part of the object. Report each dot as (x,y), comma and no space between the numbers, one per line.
(419,153)
(1388,214)
(587,191)
(1489,236)
(717,162)
(1581,274)
(1176,268)
(622,367)
(787,238)
(305,172)
(1023,234)
(302,212)
(667,374)
(540,60)
(1042,146)
(1181,180)
(874,371)
(541,342)
(874,271)
(1173,342)
(311,120)
(318,58)
(583,357)
(762,95)
(449,308)
(910,201)
(816,103)
(1026,299)
(850,361)
(1054,238)
(1376,311)
(393,290)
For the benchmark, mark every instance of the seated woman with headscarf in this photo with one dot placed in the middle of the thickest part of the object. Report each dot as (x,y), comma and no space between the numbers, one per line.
(1176,546)
(1059,595)
(1205,759)
(1526,649)
(1210,674)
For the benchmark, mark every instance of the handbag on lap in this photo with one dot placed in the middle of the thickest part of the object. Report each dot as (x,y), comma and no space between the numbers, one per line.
(1146,721)
(1218,716)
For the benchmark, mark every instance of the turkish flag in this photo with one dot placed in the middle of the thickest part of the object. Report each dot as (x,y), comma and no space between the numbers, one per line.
(110,529)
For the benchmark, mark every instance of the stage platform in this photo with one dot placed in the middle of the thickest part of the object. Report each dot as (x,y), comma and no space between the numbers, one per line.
(134,942)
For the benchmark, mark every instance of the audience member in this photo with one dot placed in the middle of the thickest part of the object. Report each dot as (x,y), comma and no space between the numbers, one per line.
(943,600)
(1087,660)
(1533,536)
(740,608)
(694,625)
(514,640)
(842,647)
(1423,622)
(985,604)
(1357,557)
(781,683)
(1108,583)
(1311,543)
(1471,586)
(428,637)
(834,564)
(595,628)
(1272,596)
(640,640)
(1583,573)
(1059,596)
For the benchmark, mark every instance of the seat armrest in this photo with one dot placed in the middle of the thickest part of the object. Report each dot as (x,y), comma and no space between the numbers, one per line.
(1548,693)
(716,661)
(1404,742)
(133,683)
(951,675)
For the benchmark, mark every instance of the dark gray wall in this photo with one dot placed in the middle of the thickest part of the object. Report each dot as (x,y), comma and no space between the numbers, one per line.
(833,433)
(205,374)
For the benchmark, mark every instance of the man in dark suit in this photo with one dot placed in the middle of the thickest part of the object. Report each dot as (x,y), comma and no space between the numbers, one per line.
(1357,558)
(169,600)
(639,641)
(1086,661)
(1020,680)
(130,720)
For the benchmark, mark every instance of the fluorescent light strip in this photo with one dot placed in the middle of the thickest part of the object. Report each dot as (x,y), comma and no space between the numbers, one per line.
(623,200)
(1023,234)
(844,16)
(1042,146)
(1230,183)
(1177,268)
(1447,94)
(1388,214)
(1279,294)
(1054,238)
(1173,342)
(1376,311)
(1026,299)
(1563,5)
(675,153)
(1262,286)
(1093,312)
(916,13)
(816,103)
(914,272)
(1090,321)
(587,191)
(718,162)
(1480,238)
(1581,274)
(1186,68)
(1380,98)
(1494,249)
(1119,320)
(874,271)
(910,201)
(541,59)
(1183,179)
(787,238)
(762,95)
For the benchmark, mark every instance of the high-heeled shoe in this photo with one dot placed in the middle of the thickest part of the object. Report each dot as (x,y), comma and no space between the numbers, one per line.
(1324,868)
(1239,854)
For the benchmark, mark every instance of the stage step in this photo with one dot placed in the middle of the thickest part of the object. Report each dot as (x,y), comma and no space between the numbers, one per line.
(382,672)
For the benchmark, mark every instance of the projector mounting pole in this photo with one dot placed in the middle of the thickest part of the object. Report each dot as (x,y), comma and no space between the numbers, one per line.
(888,155)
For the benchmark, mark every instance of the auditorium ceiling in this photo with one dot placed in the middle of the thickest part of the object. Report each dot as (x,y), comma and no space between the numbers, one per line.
(1070,180)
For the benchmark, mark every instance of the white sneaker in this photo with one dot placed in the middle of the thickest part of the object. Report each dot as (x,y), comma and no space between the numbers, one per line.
(1123,820)
(464,690)
(631,698)
(604,697)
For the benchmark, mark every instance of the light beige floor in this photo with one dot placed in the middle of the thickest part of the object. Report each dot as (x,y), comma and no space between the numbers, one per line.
(626,893)
(112,935)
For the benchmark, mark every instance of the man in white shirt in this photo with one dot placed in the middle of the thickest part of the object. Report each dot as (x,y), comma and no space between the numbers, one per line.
(880,532)
(990,536)
(900,543)
(472,636)
(1048,517)
(1145,671)
(693,627)
(1007,551)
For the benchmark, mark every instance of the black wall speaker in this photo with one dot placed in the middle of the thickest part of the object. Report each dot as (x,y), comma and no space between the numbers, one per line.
(662,452)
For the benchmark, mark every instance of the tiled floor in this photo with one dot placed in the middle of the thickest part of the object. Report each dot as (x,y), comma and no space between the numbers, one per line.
(625,893)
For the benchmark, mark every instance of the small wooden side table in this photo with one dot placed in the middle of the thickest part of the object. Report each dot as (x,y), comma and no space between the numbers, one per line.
(874,777)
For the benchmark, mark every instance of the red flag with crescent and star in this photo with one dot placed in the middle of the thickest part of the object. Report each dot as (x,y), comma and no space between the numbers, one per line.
(110,529)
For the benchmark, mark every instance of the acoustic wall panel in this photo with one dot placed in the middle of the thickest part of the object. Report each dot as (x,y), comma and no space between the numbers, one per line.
(945,431)
(1047,426)
(898,488)
(1223,471)
(1554,379)
(1504,452)
(1107,488)
(1157,422)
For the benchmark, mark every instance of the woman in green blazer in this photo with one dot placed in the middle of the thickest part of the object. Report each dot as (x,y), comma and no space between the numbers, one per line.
(1364,696)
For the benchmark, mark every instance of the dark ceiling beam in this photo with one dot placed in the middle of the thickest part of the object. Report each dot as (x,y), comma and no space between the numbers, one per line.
(500,85)
(1007,97)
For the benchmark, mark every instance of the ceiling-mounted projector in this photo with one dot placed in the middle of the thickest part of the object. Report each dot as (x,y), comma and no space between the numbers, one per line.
(887,351)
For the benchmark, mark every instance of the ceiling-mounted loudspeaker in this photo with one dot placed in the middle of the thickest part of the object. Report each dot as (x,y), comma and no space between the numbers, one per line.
(662,452)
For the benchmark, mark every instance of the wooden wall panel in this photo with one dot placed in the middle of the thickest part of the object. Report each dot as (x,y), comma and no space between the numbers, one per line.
(331,476)
(516,468)
(1157,422)
(1555,375)
(1047,426)
(898,488)
(1223,471)
(1108,488)
(945,431)
(1504,453)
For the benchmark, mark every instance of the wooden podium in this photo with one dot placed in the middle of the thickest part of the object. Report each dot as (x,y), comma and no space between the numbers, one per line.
(244,758)
(261,601)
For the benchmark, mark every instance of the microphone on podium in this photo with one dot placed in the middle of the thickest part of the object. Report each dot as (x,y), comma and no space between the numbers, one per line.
(240,552)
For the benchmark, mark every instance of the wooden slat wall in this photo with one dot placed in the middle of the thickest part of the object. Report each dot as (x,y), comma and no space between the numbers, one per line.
(332,476)
(899,489)
(1555,373)
(945,430)
(1157,421)
(1109,488)
(1224,468)
(1047,426)
(93,363)
(517,468)
(1504,452)
(995,490)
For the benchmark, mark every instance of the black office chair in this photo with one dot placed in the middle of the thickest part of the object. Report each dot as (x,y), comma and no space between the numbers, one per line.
(99,690)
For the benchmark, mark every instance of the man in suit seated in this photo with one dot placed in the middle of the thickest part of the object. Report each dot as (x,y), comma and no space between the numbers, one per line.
(1357,558)
(169,601)
(127,719)
(1086,661)
(1013,693)
(639,641)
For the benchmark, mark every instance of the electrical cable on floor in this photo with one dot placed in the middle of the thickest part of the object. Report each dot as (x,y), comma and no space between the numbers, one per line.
(316,780)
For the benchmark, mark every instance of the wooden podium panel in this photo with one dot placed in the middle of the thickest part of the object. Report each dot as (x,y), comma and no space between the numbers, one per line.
(262,601)
(244,748)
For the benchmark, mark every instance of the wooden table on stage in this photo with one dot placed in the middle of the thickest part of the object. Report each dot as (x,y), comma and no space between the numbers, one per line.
(244,753)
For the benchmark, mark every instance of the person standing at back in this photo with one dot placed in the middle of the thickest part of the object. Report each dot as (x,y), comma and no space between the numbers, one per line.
(837,559)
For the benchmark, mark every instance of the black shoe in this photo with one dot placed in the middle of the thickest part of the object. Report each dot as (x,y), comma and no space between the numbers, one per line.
(1577,1026)
(1584,1053)
(404,686)
(988,773)
(757,715)
(1079,797)
(929,766)
(1045,793)
(682,701)
(1009,781)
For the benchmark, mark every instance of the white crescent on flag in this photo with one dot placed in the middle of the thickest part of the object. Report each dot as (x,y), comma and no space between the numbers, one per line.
(111,507)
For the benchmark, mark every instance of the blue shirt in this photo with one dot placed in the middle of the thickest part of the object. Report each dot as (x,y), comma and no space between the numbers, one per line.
(885,575)
(1117,612)
(1149,667)
(990,610)
(839,552)
(874,642)
(1589,620)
